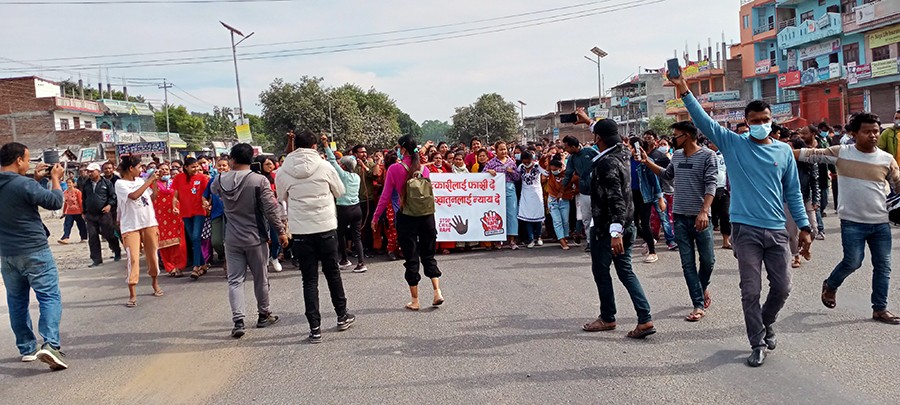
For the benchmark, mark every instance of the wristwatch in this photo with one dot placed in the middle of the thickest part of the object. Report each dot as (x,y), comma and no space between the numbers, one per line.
(683,95)
(806,229)
(615,235)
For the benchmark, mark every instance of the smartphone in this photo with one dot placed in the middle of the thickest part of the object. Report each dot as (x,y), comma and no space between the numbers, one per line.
(673,70)
(568,118)
(639,151)
(256,167)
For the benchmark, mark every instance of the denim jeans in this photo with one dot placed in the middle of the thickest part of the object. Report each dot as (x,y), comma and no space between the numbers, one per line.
(666,225)
(275,247)
(512,210)
(559,211)
(601,258)
(21,274)
(74,219)
(532,231)
(689,240)
(193,228)
(854,237)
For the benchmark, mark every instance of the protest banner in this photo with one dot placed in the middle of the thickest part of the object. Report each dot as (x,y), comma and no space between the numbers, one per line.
(469,207)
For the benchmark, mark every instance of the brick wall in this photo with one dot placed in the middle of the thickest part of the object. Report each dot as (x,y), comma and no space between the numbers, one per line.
(36,131)
(18,96)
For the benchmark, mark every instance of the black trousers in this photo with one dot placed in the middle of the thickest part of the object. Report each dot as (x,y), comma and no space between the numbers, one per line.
(97,225)
(720,207)
(368,211)
(417,237)
(349,228)
(310,250)
(642,219)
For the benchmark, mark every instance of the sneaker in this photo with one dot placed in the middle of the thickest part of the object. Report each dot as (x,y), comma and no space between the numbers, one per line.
(28,358)
(63,241)
(651,258)
(574,243)
(315,335)
(820,236)
(673,246)
(344,264)
(238,331)
(540,242)
(345,321)
(276,265)
(52,357)
(266,320)
(360,268)
(530,245)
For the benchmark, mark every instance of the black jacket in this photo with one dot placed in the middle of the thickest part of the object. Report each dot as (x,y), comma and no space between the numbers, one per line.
(611,201)
(93,200)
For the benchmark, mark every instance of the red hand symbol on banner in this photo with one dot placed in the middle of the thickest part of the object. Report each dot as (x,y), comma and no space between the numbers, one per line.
(492,221)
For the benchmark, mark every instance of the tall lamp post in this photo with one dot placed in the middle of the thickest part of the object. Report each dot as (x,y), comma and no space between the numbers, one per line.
(234,55)
(600,54)
(522,110)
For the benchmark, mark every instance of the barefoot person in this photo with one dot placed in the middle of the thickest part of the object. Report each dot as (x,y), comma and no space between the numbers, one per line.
(416,230)
(26,261)
(137,221)
(763,175)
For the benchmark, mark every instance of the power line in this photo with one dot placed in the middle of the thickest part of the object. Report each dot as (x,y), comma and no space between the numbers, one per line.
(381,33)
(362,45)
(127,2)
(193,96)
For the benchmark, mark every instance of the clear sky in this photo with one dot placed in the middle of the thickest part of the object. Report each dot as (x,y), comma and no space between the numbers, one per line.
(539,63)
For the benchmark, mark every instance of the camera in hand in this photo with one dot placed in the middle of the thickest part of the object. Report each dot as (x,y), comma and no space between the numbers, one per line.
(673,70)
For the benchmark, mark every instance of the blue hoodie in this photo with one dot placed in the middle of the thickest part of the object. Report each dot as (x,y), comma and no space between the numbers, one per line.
(21,229)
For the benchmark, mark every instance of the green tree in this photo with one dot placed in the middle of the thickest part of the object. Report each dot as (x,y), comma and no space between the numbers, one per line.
(408,126)
(261,137)
(220,125)
(660,124)
(190,127)
(490,118)
(435,130)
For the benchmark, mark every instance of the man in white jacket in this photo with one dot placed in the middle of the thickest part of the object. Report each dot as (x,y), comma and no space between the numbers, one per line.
(309,186)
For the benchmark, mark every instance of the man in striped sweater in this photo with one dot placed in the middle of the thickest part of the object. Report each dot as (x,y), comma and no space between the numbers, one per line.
(862,170)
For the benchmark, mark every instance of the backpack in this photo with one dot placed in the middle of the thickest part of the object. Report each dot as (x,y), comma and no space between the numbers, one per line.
(419,198)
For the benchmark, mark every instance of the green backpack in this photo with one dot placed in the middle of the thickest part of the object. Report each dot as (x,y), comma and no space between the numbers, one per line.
(419,198)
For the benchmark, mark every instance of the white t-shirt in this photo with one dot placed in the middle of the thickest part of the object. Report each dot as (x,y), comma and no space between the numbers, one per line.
(134,214)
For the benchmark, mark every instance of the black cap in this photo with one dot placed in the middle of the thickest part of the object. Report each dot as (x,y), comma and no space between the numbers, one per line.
(608,131)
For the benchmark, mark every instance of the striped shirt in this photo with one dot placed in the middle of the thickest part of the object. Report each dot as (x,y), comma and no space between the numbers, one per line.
(863,179)
(695,178)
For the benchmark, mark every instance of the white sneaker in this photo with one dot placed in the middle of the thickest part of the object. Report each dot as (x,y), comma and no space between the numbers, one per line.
(276,266)
(651,258)
(540,242)
(530,245)
(345,264)
(28,358)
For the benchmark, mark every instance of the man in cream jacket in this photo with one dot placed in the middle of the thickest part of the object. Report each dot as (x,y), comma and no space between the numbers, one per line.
(309,186)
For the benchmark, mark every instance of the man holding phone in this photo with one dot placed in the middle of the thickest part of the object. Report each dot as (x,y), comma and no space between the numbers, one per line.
(764,176)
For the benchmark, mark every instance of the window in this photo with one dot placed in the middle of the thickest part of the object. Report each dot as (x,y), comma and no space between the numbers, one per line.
(88,125)
(810,64)
(821,2)
(851,53)
(76,122)
(881,53)
(847,6)
(806,16)
(833,58)
(746,21)
(63,124)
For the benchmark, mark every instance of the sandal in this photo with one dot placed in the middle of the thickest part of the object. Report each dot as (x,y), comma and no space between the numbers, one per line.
(796,263)
(598,325)
(886,317)
(829,296)
(639,333)
(131,304)
(410,307)
(695,316)
(196,273)
(707,300)
(177,273)
(159,293)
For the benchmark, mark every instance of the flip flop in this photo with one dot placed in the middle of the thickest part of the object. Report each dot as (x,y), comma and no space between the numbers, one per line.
(410,307)
(131,304)
(640,334)
(159,293)
(438,302)
(695,316)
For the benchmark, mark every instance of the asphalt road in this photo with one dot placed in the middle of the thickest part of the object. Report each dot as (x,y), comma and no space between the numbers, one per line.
(509,333)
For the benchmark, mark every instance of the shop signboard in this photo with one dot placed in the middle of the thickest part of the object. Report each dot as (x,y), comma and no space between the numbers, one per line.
(789,79)
(885,67)
(782,110)
(822,48)
(884,37)
(724,95)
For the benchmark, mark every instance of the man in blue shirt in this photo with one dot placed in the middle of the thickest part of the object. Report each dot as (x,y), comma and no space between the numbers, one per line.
(763,176)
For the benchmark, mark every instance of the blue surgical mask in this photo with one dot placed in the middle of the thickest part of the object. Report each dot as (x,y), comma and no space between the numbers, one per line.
(823,134)
(165,178)
(556,172)
(528,165)
(398,152)
(518,156)
(760,132)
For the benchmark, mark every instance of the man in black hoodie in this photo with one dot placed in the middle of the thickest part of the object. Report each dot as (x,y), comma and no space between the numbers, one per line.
(613,232)
(27,263)
(99,202)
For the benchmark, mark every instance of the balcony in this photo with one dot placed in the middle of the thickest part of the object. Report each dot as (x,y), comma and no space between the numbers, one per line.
(763,28)
(791,22)
(870,15)
(828,25)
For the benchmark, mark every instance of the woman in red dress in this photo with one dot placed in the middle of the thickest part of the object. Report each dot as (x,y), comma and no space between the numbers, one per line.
(171,227)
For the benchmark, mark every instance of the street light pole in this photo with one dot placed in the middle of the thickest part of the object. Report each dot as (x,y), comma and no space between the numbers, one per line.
(522,110)
(165,86)
(600,55)
(237,79)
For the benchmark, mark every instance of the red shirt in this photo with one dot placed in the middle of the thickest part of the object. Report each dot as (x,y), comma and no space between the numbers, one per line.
(72,198)
(190,194)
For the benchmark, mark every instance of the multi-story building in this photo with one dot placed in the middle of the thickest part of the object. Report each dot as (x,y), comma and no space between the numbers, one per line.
(634,102)
(33,111)
(762,59)
(718,85)
(549,125)
(126,116)
(873,70)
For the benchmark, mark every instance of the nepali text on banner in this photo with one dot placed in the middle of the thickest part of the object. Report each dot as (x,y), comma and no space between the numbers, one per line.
(469,207)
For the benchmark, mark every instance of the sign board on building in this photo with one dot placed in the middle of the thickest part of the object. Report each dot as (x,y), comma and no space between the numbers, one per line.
(834,70)
(730,104)
(87,154)
(596,112)
(855,73)
(885,67)
(789,79)
(243,133)
(822,48)
(763,66)
(864,13)
(556,132)
(824,21)
(782,110)
(724,95)
(674,103)
(885,36)
(141,148)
